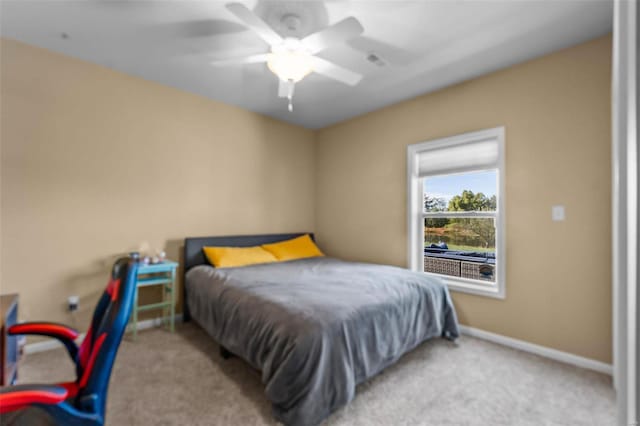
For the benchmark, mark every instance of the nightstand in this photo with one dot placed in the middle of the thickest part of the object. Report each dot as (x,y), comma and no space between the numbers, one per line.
(163,274)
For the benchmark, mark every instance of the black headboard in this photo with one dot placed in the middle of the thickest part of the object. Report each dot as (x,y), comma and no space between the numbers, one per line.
(194,256)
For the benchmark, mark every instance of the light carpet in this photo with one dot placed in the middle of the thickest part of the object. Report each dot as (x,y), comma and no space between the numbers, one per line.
(180,379)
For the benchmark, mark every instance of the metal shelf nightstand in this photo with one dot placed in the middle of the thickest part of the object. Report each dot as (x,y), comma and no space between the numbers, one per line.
(164,274)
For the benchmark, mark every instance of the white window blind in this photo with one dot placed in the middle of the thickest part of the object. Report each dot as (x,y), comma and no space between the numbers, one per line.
(466,156)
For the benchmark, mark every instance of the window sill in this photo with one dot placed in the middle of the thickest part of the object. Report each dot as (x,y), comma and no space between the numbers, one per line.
(475,287)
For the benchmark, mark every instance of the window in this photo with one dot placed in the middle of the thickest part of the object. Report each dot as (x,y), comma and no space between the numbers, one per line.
(456,211)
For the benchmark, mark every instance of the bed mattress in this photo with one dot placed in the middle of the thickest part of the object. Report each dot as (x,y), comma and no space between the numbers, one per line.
(317,327)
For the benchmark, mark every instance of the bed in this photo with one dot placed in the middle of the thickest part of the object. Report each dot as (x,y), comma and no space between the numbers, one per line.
(315,327)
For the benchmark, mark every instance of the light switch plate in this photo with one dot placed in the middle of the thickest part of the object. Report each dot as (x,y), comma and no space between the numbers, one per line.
(557,213)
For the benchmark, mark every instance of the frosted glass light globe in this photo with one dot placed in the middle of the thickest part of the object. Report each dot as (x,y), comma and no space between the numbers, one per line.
(290,61)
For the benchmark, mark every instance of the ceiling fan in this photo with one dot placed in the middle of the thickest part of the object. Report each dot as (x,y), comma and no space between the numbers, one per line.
(292,59)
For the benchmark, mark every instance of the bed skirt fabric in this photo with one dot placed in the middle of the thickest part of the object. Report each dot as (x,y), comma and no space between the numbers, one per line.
(317,327)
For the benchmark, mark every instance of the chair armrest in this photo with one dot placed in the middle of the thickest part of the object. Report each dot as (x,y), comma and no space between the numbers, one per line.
(16,397)
(51,329)
(66,335)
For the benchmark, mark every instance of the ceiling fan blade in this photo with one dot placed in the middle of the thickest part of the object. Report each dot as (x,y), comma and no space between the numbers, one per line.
(253,59)
(331,70)
(255,23)
(337,33)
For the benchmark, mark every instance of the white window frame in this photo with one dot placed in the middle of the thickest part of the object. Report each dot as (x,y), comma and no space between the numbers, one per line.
(416,214)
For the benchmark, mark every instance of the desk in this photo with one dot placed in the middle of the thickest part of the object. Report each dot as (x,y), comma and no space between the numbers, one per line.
(163,274)
(8,344)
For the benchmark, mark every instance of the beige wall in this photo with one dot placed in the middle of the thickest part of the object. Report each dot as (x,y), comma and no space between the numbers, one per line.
(95,162)
(77,139)
(556,111)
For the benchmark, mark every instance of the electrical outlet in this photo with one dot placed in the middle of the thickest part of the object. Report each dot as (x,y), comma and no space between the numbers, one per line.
(73,302)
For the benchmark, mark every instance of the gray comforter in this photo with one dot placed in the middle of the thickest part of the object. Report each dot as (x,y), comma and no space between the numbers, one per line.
(317,327)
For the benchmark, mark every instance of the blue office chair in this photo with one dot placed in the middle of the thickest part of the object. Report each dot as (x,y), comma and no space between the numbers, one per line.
(83,401)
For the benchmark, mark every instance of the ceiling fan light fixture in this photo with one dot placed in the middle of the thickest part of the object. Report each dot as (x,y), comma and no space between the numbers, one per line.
(290,61)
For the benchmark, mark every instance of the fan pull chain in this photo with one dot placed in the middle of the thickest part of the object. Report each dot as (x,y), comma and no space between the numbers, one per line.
(290,86)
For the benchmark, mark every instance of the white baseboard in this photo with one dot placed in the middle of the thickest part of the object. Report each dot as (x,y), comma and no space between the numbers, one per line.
(49,344)
(554,354)
(154,322)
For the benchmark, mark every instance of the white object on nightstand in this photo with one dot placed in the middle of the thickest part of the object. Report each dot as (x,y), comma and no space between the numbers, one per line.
(557,213)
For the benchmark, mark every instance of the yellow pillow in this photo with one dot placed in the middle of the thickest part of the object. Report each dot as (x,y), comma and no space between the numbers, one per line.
(296,248)
(226,257)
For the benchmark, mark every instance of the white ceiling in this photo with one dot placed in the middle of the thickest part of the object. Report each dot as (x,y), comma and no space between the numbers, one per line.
(426,45)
